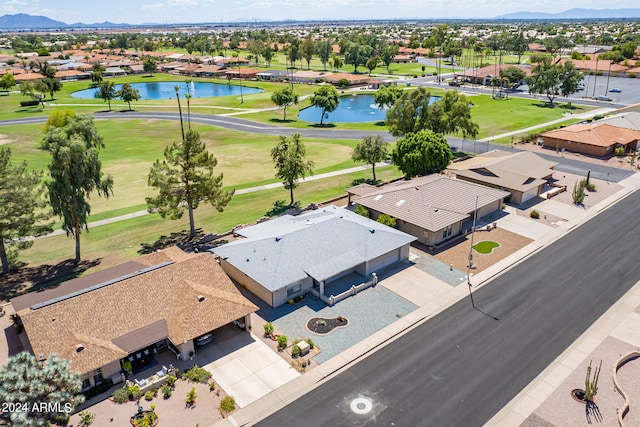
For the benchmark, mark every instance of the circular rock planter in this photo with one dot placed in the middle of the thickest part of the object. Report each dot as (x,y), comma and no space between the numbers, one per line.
(322,326)
(578,395)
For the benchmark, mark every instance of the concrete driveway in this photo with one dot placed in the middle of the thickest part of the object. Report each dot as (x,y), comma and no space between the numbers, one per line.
(245,367)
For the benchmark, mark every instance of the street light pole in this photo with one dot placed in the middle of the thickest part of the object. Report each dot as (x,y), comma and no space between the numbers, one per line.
(470,263)
(473,232)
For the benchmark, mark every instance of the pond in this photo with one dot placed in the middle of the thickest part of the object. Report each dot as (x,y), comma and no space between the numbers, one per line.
(166,90)
(351,109)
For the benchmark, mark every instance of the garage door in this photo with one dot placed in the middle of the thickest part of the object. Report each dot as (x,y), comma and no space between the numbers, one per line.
(384,260)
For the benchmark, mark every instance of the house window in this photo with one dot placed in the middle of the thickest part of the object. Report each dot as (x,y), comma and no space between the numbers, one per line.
(97,378)
(447,232)
(85,384)
(293,289)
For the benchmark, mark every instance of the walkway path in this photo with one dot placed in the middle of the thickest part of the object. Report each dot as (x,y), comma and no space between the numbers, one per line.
(241,191)
(586,115)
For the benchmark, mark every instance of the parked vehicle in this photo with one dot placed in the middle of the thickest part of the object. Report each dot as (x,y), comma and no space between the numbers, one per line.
(615,90)
(204,339)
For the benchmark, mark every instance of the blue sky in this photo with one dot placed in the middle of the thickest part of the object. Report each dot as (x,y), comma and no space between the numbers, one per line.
(181,11)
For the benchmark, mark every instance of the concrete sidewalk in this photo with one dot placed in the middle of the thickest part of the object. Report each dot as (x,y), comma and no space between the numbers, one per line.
(241,191)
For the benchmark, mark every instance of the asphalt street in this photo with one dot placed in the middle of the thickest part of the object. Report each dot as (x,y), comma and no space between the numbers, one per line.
(566,164)
(462,366)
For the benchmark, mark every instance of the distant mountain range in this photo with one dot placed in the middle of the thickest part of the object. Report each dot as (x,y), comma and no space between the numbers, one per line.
(576,13)
(22,21)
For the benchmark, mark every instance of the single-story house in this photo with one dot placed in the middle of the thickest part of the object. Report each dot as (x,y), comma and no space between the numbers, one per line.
(353,79)
(484,76)
(433,208)
(208,71)
(602,66)
(242,73)
(114,72)
(309,76)
(71,75)
(289,256)
(158,302)
(403,59)
(522,174)
(594,139)
(272,75)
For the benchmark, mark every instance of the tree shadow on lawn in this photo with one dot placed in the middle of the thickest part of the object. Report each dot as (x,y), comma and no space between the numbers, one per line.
(282,121)
(180,238)
(322,126)
(41,277)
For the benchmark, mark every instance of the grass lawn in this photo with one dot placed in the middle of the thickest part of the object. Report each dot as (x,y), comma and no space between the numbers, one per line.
(486,246)
(120,241)
(133,145)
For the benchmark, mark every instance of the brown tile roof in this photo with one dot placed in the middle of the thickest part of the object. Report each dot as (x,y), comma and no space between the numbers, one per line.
(592,64)
(515,171)
(99,319)
(431,202)
(597,134)
(352,78)
(492,70)
(28,76)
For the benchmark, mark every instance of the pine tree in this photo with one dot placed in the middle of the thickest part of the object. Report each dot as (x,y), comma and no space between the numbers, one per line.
(30,382)
(22,205)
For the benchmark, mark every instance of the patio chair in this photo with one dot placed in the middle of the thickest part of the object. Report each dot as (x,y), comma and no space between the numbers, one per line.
(141,383)
(162,372)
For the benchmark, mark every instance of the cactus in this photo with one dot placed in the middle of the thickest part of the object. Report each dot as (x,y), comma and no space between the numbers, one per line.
(591,384)
(588,177)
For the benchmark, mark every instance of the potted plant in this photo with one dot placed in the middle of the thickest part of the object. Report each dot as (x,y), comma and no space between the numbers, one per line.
(191,354)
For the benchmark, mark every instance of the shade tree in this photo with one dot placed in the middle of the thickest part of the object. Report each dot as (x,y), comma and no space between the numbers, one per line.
(326,98)
(421,153)
(371,150)
(283,97)
(76,172)
(290,162)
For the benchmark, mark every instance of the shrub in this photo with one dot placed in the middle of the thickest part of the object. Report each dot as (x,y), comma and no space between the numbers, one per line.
(191,396)
(310,342)
(362,211)
(121,395)
(134,392)
(150,394)
(86,418)
(387,220)
(598,117)
(282,342)
(227,404)
(295,351)
(534,214)
(619,151)
(197,375)
(166,391)
(212,386)
(632,75)
(171,381)
(578,192)
(590,187)
(268,329)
